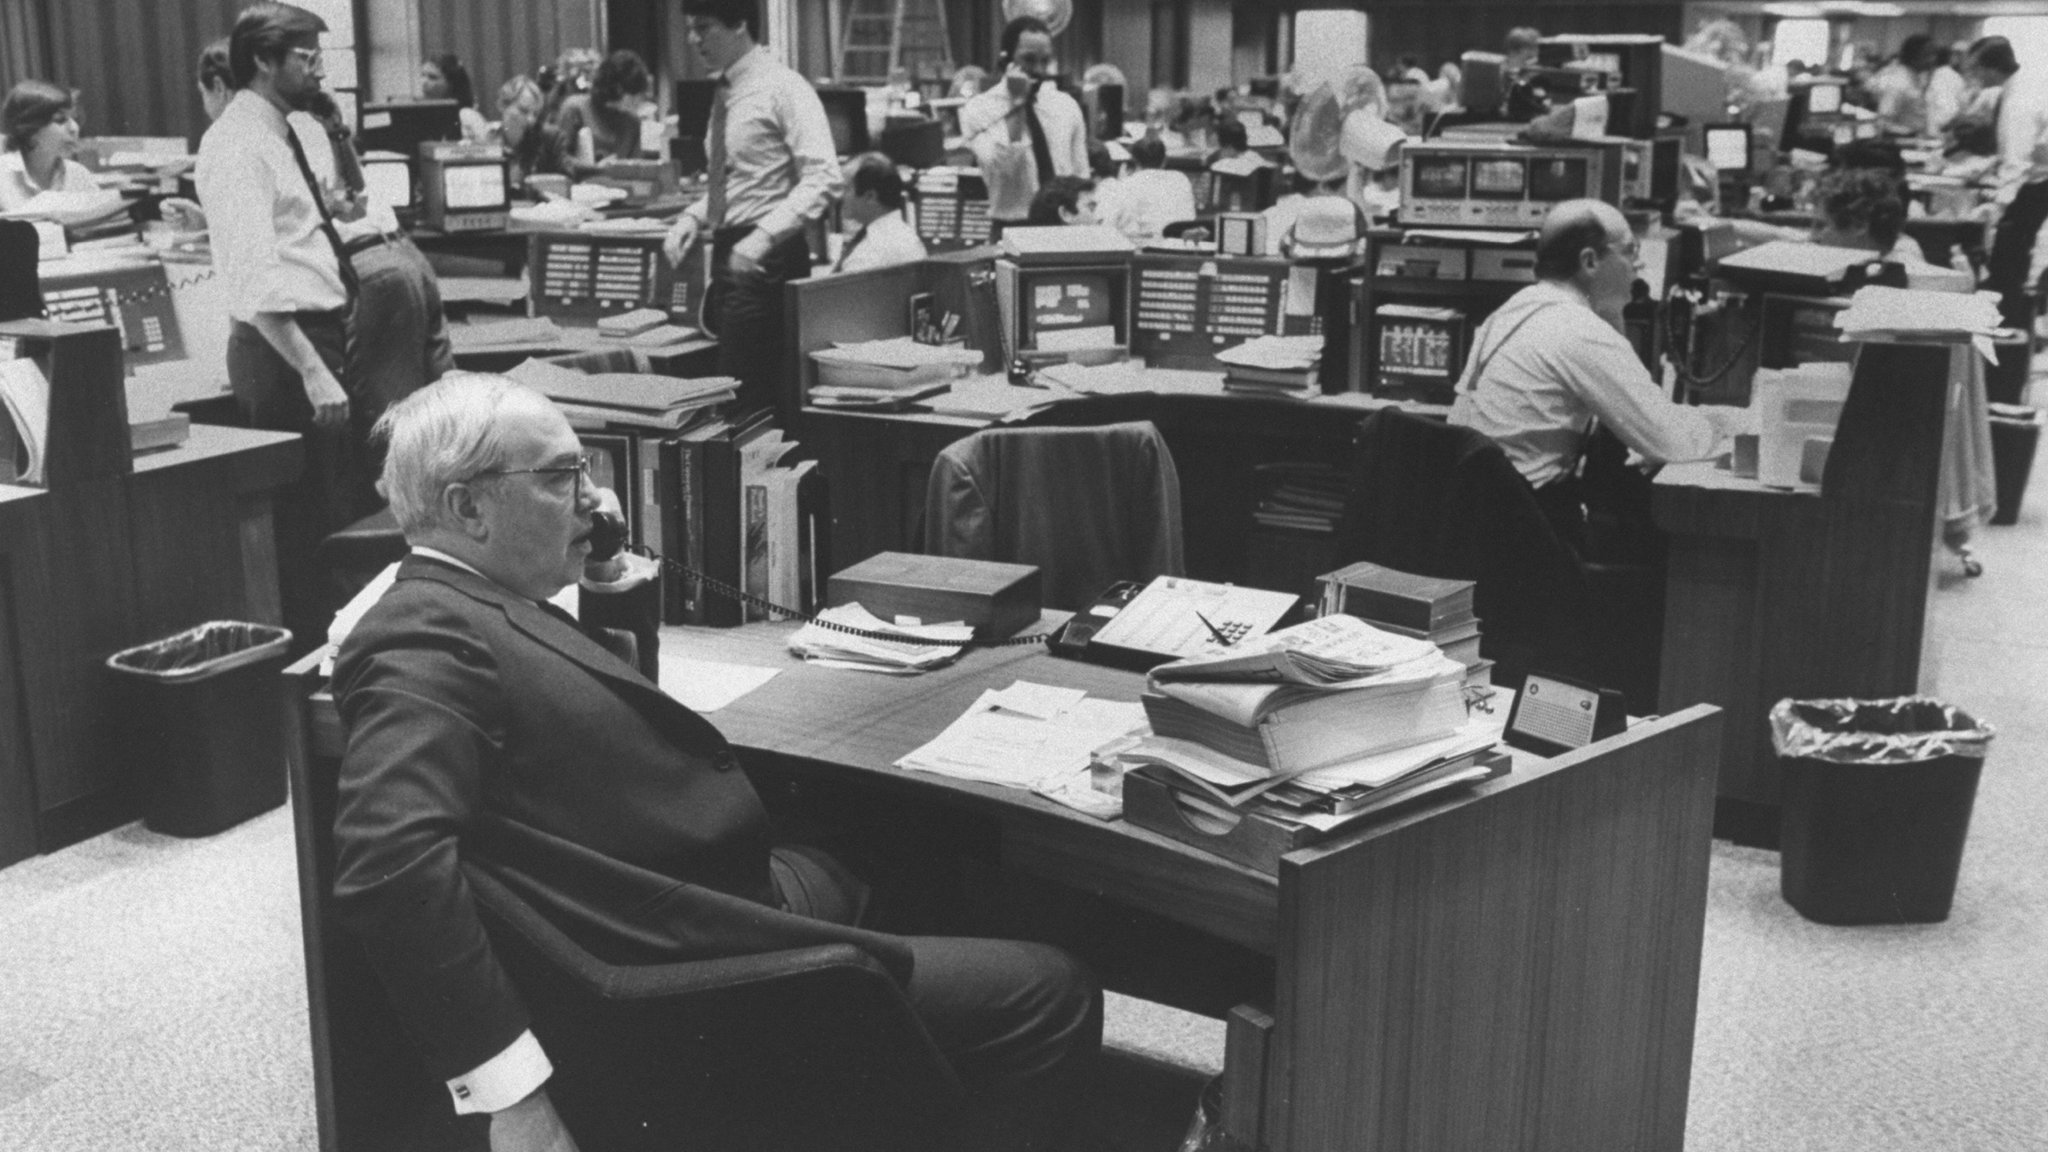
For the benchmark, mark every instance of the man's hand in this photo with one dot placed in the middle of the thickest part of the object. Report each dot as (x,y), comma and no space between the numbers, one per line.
(530,1126)
(681,235)
(183,215)
(329,401)
(749,252)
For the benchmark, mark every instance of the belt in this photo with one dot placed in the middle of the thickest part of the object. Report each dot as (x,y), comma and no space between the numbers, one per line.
(365,243)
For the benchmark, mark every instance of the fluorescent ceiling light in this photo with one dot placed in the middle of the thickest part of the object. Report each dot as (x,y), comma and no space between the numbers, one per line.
(1795,11)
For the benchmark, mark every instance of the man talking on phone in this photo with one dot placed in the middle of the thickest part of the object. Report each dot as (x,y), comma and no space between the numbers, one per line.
(1024,131)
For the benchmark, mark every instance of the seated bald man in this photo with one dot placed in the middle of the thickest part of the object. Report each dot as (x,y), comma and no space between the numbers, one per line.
(487,730)
(1553,358)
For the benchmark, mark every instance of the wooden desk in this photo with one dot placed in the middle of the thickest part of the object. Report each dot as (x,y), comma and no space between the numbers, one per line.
(1512,968)
(1772,593)
(104,564)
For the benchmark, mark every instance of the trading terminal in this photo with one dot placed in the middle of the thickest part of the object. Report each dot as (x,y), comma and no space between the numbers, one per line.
(1591,943)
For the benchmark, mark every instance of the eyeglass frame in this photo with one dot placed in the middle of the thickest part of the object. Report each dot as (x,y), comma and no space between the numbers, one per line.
(580,469)
(312,57)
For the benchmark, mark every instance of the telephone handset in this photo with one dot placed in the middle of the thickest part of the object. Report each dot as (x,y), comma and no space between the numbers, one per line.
(608,538)
(1073,639)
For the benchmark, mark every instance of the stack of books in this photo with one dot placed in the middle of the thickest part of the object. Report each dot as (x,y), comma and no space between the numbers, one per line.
(1302,497)
(885,373)
(1311,726)
(1421,607)
(602,400)
(647,328)
(1273,366)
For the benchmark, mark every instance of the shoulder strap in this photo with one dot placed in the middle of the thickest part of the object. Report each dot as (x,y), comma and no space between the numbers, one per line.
(1477,366)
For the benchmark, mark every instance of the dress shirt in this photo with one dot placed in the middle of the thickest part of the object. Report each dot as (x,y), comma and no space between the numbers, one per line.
(16,187)
(514,1073)
(1945,95)
(2023,131)
(781,169)
(1008,165)
(1147,201)
(884,241)
(1901,98)
(1540,383)
(265,227)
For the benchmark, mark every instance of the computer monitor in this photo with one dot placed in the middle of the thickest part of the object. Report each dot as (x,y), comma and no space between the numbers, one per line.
(1058,305)
(1728,149)
(401,126)
(1109,112)
(846,109)
(693,107)
(1482,89)
(1693,87)
(463,187)
(1824,99)
(387,180)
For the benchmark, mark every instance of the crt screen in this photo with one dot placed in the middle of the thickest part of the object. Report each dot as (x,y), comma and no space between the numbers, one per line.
(1728,149)
(1440,179)
(1557,178)
(1498,179)
(388,183)
(472,186)
(1824,98)
(1069,302)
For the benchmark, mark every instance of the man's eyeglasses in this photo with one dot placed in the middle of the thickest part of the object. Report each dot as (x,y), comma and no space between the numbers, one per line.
(559,476)
(1631,251)
(310,55)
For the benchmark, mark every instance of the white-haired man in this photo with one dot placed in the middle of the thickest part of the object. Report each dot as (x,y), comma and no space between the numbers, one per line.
(487,730)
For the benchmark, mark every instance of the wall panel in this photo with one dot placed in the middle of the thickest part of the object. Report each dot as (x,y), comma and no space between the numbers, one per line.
(132,60)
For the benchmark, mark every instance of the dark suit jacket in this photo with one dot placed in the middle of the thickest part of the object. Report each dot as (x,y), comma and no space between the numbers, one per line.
(484,732)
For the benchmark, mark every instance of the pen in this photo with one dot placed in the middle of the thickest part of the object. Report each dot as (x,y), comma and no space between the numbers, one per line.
(1213,630)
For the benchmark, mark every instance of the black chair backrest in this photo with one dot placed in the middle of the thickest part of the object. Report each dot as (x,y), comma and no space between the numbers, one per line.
(21,290)
(1438,500)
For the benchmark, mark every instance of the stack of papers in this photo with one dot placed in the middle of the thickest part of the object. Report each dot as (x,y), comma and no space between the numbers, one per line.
(920,647)
(1327,651)
(1273,364)
(1027,736)
(1906,314)
(640,399)
(525,331)
(891,365)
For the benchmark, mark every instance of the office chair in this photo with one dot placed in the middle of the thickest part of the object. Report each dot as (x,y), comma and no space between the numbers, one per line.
(811,1047)
(1089,506)
(21,289)
(1437,500)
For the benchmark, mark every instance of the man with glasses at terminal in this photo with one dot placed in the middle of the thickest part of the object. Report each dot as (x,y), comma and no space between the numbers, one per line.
(488,730)
(1553,358)
(289,286)
(772,170)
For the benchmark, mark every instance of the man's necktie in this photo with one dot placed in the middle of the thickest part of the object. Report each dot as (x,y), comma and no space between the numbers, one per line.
(1041,152)
(714,200)
(348,272)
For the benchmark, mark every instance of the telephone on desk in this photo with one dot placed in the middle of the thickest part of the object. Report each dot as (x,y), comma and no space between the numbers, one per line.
(1140,627)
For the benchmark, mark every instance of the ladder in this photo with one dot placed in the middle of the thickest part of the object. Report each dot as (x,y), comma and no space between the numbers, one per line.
(880,36)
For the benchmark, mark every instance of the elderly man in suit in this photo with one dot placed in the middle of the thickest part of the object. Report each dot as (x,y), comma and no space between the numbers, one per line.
(486,729)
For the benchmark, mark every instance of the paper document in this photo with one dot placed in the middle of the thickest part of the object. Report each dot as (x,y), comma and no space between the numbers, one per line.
(921,647)
(996,745)
(1905,313)
(1279,353)
(706,685)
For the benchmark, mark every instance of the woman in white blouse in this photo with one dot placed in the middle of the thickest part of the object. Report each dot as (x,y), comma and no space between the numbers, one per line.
(40,124)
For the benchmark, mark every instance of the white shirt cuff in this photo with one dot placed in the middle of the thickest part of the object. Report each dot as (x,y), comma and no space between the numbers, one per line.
(504,1079)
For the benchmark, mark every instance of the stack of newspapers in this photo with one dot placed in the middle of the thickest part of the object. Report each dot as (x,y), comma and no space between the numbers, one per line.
(1317,724)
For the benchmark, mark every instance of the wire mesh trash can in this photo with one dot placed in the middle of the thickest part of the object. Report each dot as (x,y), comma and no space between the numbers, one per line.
(2015,434)
(1877,797)
(206,713)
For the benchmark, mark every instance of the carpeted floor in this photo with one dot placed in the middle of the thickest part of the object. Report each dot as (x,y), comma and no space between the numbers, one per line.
(152,994)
